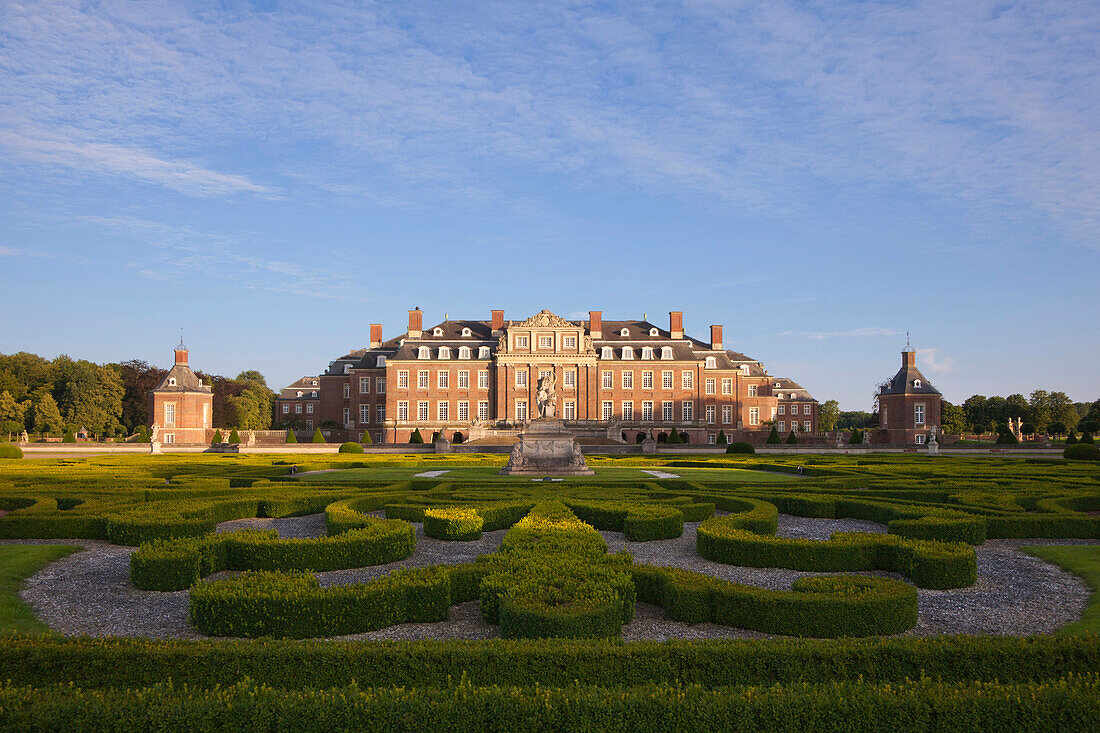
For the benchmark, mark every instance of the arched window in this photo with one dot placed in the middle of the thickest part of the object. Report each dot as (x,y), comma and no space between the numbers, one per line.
(666,353)
(654,332)
(424,353)
(438,331)
(464,352)
(171,381)
(916,383)
(628,353)
(780,395)
(778,385)
(465,333)
(483,352)
(712,363)
(444,352)
(606,353)
(314,382)
(647,352)
(624,332)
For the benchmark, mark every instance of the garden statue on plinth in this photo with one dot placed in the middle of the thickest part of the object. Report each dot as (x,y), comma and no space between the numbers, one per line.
(933,444)
(154,439)
(546,448)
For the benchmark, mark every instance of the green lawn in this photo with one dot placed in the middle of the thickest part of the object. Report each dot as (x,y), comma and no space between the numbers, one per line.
(1084,562)
(489,473)
(18,562)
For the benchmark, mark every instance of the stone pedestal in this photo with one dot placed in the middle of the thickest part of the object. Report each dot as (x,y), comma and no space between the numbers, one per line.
(154,447)
(546,448)
(649,445)
(442,445)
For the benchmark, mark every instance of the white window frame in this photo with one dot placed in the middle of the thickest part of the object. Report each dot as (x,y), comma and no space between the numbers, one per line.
(569,378)
(463,411)
(727,414)
(647,410)
(607,410)
(647,380)
(380,362)
(444,352)
(569,410)
(364,414)
(309,408)
(521,378)
(782,409)
(628,379)
(607,353)
(380,385)
(403,379)
(483,352)
(711,414)
(169,414)
(647,352)
(806,426)
(666,353)
(569,342)
(666,379)
(443,411)
(687,380)
(380,414)
(807,409)
(464,379)
(347,391)
(423,353)
(297,408)
(667,413)
(710,385)
(422,410)
(753,390)
(443,379)
(627,353)
(521,342)
(628,410)
(711,363)
(546,342)
(918,439)
(607,380)
(364,385)
(286,409)
(347,417)
(483,379)
(781,426)
(521,410)
(687,410)
(422,379)
(754,416)
(463,352)
(918,413)
(483,409)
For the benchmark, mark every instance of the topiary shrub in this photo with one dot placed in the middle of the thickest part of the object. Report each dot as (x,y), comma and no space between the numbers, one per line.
(416,437)
(740,447)
(350,447)
(317,437)
(365,438)
(1007,438)
(217,438)
(674,438)
(1082,452)
(791,439)
(1087,439)
(856,438)
(773,437)
(1071,439)
(70,437)
(8,450)
(291,437)
(234,437)
(721,439)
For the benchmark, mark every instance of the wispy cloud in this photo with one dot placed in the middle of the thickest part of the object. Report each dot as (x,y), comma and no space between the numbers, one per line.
(852,333)
(934,361)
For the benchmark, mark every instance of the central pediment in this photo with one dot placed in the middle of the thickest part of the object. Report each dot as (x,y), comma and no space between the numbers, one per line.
(544,319)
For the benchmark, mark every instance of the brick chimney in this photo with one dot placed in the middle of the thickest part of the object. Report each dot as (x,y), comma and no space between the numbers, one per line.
(595,324)
(416,323)
(909,358)
(375,335)
(676,324)
(181,355)
(498,322)
(716,337)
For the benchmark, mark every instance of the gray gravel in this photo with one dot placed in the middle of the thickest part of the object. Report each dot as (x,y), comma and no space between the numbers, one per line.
(89,593)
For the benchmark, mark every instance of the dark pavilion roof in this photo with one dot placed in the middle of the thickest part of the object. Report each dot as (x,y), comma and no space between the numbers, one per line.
(185,381)
(905,381)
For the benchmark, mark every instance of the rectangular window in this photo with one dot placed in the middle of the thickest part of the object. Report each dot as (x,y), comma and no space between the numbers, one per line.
(569,342)
(628,380)
(569,410)
(286,409)
(364,414)
(380,385)
(309,408)
(666,380)
(206,416)
(364,385)
(647,411)
(403,379)
(687,409)
(464,411)
(666,411)
(464,380)
(710,386)
(378,436)
(752,390)
(309,424)
(443,411)
(607,410)
(918,414)
(687,379)
(443,379)
(298,408)
(628,410)
(422,379)
(521,377)
(569,378)
(380,414)
(170,414)
(483,379)
(727,386)
(806,426)
(403,410)
(806,409)
(521,409)
(919,439)
(422,410)
(169,438)
(712,438)
(647,380)
(347,417)
(754,416)
(782,410)
(710,414)
(521,342)
(727,414)
(781,426)
(543,373)
(483,410)
(608,381)
(347,391)
(546,342)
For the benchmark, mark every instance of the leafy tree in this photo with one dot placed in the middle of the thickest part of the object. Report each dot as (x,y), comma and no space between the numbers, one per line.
(12,414)
(854,419)
(317,437)
(138,379)
(1056,428)
(828,415)
(23,373)
(91,395)
(791,439)
(251,409)
(416,437)
(1040,412)
(1088,425)
(773,437)
(1062,410)
(47,416)
(977,412)
(291,437)
(234,437)
(953,419)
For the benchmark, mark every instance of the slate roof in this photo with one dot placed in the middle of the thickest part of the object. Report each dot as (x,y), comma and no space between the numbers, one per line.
(186,381)
(797,391)
(305,385)
(903,381)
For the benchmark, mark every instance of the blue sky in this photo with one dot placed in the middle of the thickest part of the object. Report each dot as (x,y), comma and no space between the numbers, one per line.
(819,177)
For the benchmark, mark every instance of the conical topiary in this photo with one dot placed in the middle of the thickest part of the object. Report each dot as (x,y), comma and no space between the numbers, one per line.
(416,437)
(234,437)
(217,438)
(365,438)
(773,437)
(1087,438)
(856,437)
(791,439)
(317,437)
(721,439)
(674,437)
(70,437)
(291,437)
(1071,439)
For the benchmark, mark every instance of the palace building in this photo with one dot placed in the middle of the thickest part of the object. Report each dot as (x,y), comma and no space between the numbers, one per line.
(909,407)
(616,380)
(181,406)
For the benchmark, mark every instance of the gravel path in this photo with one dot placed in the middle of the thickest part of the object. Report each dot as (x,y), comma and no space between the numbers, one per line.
(89,593)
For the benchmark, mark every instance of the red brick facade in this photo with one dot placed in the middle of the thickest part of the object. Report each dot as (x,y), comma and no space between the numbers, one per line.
(908,405)
(627,376)
(181,406)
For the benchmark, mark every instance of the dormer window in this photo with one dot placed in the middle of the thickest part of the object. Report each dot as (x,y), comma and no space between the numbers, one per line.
(647,352)
(314,383)
(298,394)
(313,394)
(171,381)
(606,353)
(347,369)
(624,332)
(778,385)
(380,362)
(438,331)
(654,332)
(780,395)
(916,383)
(483,352)
(666,353)
(444,352)
(628,353)
(745,369)
(712,363)
(424,353)
(465,333)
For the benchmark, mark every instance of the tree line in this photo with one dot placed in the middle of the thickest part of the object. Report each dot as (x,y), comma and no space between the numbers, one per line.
(64,395)
(1043,413)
